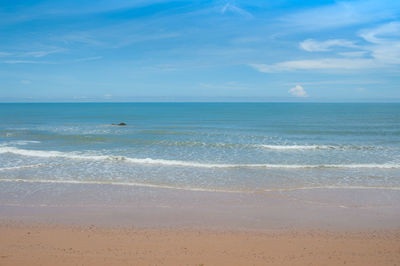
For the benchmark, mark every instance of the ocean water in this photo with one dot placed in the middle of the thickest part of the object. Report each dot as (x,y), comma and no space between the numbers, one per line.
(237,147)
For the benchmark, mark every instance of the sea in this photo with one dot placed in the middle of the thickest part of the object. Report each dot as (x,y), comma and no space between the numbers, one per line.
(227,147)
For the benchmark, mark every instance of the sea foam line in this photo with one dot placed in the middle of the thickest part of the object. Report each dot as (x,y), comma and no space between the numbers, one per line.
(278,147)
(18,142)
(317,147)
(282,147)
(21,167)
(298,147)
(178,163)
(149,185)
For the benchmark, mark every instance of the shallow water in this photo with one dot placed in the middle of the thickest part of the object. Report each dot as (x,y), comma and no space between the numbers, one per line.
(203,146)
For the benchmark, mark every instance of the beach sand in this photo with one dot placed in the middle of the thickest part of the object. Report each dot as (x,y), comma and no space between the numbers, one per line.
(60,245)
(72,224)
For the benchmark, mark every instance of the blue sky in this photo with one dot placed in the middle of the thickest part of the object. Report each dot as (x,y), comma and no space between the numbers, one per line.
(70,50)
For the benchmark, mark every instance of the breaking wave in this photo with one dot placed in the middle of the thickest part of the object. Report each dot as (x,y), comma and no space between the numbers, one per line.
(179,163)
(21,167)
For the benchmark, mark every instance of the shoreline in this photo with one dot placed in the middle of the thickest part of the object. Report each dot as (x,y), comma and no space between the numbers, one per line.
(147,207)
(195,189)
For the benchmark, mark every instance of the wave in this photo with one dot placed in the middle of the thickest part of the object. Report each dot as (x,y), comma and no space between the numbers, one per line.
(167,132)
(163,186)
(297,147)
(277,147)
(318,147)
(19,142)
(21,167)
(265,146)
(178,163)
(252,146)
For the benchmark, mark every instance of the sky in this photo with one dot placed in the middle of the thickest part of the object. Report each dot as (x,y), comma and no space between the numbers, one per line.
(156,50)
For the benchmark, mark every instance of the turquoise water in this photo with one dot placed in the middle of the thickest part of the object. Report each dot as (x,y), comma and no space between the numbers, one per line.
(205,146)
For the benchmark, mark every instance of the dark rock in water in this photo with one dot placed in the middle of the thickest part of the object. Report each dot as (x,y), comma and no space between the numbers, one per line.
(120,124)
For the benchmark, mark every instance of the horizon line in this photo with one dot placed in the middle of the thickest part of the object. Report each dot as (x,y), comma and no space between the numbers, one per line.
(94,102)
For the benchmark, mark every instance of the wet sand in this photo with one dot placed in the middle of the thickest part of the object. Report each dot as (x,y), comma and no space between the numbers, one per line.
(56,224)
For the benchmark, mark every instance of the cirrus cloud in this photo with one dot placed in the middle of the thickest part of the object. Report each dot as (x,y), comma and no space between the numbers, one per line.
(381,51)
(311,45)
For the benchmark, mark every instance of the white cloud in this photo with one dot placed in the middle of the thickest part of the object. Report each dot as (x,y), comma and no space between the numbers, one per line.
(264,68)
(38,54)
(382,50)
(25,62)
(48,9)
(328,63)
(25,57)
(336,81)
(298,91)
(311,45)
(318,64)
(344,13)
(389,30)
(353,54)
(385,46)
(235,9)
(4,54)
(387,53)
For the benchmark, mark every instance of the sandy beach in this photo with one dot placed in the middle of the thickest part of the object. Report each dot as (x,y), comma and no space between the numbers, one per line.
(72,224)
(199,133)
(60,245)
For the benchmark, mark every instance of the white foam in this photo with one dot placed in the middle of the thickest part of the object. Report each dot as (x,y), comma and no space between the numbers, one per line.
(53,154)
(178,163)
(318,147)
(21,167)
(297,147)
(19,142)
(25,142)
